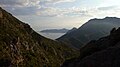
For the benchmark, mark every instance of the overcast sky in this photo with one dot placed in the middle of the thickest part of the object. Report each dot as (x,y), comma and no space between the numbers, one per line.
(47,14)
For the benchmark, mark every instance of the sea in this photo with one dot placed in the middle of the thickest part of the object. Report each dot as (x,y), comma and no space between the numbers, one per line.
(51,35)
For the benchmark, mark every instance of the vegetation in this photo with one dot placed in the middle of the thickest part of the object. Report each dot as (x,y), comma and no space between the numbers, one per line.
(21,46)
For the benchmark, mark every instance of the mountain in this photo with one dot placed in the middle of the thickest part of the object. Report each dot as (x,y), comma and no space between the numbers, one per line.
(91,30)
(55,30)
(21,46)
(73,29)
(104,52)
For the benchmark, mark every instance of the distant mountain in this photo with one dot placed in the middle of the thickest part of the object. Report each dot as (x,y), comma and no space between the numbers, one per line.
(104,52)
(72,30)
(91,30)
(55,30)
(21,46)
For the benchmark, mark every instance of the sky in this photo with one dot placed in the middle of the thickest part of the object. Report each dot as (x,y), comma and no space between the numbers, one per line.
(55,14)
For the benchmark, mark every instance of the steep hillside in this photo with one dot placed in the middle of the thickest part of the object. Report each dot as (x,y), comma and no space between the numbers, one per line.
(104,52)
(21,46)
(92,30)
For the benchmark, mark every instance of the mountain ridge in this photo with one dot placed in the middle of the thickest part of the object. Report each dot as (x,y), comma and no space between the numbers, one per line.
(103,52)
(91,30)
(21,46)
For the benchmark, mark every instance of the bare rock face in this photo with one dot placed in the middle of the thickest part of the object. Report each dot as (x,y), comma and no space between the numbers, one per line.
(104,52)
(1,15)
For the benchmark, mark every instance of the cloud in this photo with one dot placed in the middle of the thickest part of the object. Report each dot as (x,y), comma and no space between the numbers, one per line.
(56,1)
(21,7)
(107,8)
(23,11)
(48,11)
(29,7)
(38,7)
(19,3)
(13,2)
(100,12)
(57,12)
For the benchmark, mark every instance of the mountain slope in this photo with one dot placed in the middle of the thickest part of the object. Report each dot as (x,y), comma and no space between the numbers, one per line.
(104,52)
(21,46)
(55,31)
(73,29)
(92,30)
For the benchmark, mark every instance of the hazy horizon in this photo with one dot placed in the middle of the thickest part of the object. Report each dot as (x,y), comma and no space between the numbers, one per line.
(57,14)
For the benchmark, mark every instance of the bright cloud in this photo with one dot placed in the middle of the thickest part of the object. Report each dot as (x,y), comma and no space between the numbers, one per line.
(56,1)
(56,12)
(19,3)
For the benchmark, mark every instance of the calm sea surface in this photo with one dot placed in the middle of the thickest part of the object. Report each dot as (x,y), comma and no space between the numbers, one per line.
(51,35)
